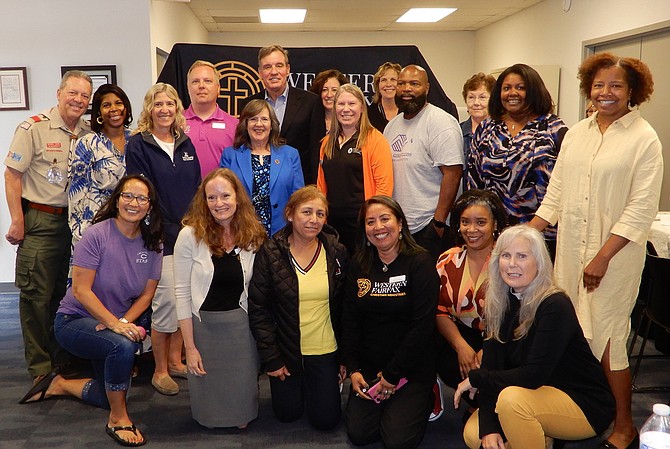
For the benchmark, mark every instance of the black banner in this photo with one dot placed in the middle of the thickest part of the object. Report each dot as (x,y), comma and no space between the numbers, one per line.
(238,67)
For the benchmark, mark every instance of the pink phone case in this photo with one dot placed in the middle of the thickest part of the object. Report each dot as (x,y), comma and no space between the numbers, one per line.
(375,393)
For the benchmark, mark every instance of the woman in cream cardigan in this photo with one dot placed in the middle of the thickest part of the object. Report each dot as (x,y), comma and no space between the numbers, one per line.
(214,257)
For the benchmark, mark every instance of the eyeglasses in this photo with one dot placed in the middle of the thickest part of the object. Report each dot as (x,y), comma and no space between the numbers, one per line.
(129,197)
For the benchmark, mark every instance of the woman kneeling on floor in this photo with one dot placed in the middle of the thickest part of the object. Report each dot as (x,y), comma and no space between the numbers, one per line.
(116,267)
(538,377)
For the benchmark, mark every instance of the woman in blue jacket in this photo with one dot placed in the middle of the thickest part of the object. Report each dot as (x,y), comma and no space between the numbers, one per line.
(269,170)
(161,151)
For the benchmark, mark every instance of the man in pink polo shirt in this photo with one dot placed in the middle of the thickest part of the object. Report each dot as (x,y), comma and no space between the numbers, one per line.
(209,127)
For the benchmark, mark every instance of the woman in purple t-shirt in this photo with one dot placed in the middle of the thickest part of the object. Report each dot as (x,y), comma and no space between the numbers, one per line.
(116,267)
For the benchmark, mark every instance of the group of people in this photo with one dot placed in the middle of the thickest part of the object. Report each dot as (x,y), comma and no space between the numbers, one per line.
(377,273)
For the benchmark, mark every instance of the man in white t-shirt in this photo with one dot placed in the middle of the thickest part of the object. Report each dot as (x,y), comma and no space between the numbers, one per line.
(427,148)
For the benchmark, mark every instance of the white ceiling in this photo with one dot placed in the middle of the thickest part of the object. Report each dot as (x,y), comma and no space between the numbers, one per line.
(352,15)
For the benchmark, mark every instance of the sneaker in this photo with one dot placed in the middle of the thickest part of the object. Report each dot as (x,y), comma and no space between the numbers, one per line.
(438,406)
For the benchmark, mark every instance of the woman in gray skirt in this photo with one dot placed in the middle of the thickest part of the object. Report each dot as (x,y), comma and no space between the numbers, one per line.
(214,257)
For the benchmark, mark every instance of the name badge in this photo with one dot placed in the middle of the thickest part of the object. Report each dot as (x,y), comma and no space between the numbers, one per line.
(394,279)
(218,125)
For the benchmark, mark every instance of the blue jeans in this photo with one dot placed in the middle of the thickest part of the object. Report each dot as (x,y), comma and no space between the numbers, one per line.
(112,355)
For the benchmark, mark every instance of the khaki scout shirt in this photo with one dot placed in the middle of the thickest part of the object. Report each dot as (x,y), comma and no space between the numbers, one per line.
(38,142)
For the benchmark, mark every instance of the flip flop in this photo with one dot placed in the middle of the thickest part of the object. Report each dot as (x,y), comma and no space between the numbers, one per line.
(111,431)
(40,387)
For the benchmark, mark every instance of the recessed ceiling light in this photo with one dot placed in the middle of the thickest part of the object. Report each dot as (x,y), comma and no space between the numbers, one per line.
(425,14)
(282,15)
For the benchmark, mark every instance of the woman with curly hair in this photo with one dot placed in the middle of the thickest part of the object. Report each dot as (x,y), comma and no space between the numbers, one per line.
(214,257)
(604,193)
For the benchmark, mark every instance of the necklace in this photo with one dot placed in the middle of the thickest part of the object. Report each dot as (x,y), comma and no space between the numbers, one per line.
(385,267)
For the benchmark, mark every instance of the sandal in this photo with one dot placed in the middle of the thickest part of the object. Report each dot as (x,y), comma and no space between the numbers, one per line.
(111,431)
(40,387)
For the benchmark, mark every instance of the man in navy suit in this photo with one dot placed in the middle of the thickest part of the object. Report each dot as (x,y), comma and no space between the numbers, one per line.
(299,112)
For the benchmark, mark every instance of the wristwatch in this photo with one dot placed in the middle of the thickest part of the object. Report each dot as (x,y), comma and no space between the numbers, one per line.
(123,320)
(439,224)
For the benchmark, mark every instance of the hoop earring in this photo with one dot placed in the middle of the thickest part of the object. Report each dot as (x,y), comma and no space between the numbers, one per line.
(400,237)
(99,120)
(147,219)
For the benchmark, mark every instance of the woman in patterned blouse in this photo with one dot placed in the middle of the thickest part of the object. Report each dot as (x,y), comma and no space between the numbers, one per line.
(97,162)
(269,170)
(477,218)
(514,151)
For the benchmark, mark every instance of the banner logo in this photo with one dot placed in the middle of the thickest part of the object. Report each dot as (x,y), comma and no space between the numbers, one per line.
(238,81)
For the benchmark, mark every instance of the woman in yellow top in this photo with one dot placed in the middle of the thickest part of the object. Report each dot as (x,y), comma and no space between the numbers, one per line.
(355,163)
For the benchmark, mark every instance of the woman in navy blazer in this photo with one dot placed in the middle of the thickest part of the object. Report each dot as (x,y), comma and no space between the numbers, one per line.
(269,170)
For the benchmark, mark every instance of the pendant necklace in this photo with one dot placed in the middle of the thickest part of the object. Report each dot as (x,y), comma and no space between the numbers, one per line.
(385,267)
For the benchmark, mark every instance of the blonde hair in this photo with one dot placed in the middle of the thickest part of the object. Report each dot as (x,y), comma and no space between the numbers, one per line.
(364,126)
(497,293)
(202,63)
(146,122)
(376,98)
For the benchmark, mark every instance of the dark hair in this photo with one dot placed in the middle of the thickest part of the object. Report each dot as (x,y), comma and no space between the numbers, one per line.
(538,98)
(476,80)
(637,74)
(302,195)
(477,197)
(97,101)
(252,109)
(152,234)
(407,245)
(324,76)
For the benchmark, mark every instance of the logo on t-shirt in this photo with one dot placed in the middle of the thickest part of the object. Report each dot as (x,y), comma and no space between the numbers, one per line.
(363,287)
(142,257)
(398,143)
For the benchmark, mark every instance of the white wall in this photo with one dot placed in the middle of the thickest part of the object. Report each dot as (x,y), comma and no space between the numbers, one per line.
(44,35)
(449,54)
(172,23)
(544,34)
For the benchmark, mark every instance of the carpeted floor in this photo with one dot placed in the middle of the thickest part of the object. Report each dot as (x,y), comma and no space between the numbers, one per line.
(166,421)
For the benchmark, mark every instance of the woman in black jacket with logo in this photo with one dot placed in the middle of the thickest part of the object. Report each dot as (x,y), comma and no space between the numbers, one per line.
(295,300)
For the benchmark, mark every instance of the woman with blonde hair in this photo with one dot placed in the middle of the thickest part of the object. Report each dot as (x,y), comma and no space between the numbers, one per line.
(538,377)
(214,257)
(355,163)
(161,151)
(383,107)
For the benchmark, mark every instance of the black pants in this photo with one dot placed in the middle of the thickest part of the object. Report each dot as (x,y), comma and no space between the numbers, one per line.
(317,387)
(432,242)
(447,359)
(399,422)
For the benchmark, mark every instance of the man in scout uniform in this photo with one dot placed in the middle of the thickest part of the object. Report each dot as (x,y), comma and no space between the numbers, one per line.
(35,181)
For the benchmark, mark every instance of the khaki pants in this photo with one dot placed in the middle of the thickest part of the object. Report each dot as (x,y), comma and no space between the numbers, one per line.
(42,261)
(526,416)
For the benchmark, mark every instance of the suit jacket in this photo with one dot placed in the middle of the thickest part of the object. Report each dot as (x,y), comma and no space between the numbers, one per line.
(303,127)
(285,176)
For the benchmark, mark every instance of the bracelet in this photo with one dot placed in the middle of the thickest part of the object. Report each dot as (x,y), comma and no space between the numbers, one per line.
(439,224)
(123,320)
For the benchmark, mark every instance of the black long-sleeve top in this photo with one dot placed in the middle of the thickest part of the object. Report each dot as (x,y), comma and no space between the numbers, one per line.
(389,319)
(553,353)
